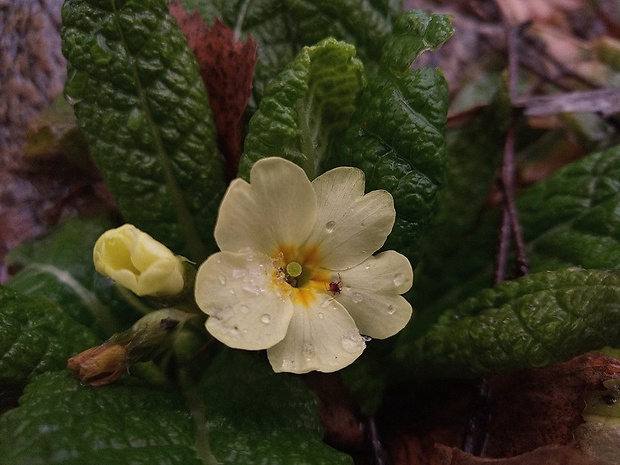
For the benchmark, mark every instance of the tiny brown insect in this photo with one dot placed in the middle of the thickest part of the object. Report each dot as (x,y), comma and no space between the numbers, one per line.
(335,287)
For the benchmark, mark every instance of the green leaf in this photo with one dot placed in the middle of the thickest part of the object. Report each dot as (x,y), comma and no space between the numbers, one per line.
(60,267)
(310,101)
(283,28)
(140,100)
(573,218)
(397,135)
(267,418)
(473,158)
(241,413)
(570,219)
(529,322)
(36,337)
(61,422)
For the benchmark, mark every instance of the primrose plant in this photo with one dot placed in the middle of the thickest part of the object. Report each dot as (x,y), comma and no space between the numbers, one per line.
(296,274)
(345,185)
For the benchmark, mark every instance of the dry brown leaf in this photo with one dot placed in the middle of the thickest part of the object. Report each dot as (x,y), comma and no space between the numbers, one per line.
(547,455)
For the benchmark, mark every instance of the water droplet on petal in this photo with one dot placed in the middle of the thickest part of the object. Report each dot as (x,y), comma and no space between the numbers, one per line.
(287,365)
(391,309)
(330,226)
(238,273)
(352,342)
(234,332)
(308,350)
(399,279)
(326,303)
(366,338)
(243,309)
(367,266)
(224,314)
(266,318)
(222,279)
(321,316)
(357,297)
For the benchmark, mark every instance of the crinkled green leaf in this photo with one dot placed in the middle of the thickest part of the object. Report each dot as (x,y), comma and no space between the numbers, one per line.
(529,322)
(282,27)
(573,218)
(397,135)
(570,219)
(254,415)
(140,100)
(60,421)
(474,156)
(36,336)
(241,413)
(60,267)
(310,101)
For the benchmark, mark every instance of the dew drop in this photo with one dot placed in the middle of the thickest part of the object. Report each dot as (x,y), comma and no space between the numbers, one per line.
(243,309)
(352,342)
(357,297)
(222,279)
(391,310)
(135,120)
(287,365)
(399,279)
(238,273)
(224,314)
(330,226)
(266,318)
(326,303)
(234,332)
(232,291)
(308,350)
(321,316)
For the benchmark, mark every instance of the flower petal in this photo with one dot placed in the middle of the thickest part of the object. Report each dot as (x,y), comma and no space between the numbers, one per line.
(287,198)
(247,310)
(241,222)
(371,294)
(350,226)
(321,336)
(277,208)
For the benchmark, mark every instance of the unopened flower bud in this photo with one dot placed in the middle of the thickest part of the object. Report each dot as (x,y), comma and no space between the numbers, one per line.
(99,365)
(138,262)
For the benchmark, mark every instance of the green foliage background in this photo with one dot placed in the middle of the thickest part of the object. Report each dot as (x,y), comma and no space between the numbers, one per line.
(333,87)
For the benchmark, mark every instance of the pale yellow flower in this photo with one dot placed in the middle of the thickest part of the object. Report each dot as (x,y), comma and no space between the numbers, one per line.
(296,274)
(138,262)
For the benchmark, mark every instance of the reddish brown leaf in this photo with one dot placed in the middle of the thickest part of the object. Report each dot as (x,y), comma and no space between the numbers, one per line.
(525,411)
(548,455)
(227,68)
(547,403)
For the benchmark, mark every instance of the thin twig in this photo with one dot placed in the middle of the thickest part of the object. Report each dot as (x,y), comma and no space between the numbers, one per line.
(503,248)
(564,70)
(476,430)
(510,228)
(508,197)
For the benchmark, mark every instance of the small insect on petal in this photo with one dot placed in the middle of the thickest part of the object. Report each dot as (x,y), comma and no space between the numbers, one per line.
(335,287)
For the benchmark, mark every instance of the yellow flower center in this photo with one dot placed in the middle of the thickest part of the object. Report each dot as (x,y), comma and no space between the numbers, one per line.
(299,273)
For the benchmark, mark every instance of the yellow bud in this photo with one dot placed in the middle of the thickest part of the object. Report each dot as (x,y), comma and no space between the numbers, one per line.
(138,262)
